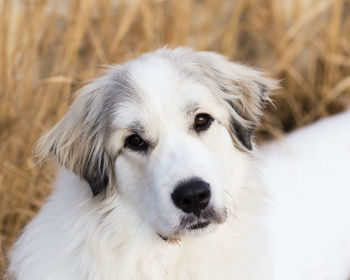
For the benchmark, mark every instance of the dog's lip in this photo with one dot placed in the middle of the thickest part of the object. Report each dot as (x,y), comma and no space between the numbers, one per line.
(199,225)
(169,239)
(176,238)
(163,237)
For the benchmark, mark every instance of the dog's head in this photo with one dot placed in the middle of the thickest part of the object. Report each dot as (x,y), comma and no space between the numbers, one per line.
(170,132)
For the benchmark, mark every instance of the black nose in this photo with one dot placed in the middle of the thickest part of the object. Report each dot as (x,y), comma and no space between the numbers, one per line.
(192,196)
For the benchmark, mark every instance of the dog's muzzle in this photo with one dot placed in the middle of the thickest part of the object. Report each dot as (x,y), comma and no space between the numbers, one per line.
(192,196)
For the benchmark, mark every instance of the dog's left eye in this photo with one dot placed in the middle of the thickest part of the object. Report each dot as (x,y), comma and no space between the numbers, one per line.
(202,122)
(136,143)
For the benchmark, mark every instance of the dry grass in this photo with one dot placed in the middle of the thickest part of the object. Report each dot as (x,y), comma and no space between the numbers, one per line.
(48,49)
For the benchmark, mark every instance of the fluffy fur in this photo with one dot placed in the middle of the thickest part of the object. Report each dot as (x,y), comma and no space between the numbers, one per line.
(111,205)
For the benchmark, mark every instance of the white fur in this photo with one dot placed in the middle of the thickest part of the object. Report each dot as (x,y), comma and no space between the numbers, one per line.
(307,173)
(115,235)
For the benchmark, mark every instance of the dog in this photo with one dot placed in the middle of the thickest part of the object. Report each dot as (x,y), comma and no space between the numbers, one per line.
(157,179)
(160,179)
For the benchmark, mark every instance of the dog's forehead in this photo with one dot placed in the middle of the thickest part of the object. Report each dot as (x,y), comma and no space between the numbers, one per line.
(163,91)
(159,80)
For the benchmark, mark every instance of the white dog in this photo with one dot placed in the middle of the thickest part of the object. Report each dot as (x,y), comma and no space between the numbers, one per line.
(158,177)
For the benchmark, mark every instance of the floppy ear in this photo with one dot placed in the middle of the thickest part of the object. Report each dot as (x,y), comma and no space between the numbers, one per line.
(77,141)
(243,89)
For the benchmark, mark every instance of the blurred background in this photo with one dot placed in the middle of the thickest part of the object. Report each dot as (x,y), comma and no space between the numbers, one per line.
(49,49)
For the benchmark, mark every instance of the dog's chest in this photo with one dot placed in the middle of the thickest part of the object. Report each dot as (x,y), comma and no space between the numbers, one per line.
(179,262)
(207,258)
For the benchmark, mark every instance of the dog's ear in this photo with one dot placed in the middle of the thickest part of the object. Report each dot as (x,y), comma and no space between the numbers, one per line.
(244,90)
(77,141)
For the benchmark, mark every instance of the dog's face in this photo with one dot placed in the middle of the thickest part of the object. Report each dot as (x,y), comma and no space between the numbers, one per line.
(172,148)
(170,132)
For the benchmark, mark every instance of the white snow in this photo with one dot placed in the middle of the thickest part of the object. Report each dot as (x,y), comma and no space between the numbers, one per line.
(308,175)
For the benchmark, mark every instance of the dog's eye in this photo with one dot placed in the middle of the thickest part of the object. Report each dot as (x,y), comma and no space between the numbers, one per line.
(136,143)
(202,122)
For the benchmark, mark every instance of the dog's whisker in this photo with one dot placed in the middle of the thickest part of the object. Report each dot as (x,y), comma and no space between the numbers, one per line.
(233,203)
(134,236)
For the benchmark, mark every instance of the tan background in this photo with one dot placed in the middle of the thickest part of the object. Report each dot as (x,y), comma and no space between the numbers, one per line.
(49,48)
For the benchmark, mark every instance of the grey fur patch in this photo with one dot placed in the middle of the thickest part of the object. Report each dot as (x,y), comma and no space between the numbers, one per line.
(190,109)
(137,127)
(78,140)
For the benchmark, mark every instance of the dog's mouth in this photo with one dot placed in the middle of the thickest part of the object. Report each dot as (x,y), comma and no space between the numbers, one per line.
(176,238)
(199,226)
(191,223)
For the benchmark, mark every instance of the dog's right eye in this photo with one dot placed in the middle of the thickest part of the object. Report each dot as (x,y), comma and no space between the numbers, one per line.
(202,122)
(136,143)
